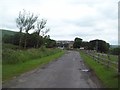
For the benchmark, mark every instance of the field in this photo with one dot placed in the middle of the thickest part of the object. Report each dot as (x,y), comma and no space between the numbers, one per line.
(107,76)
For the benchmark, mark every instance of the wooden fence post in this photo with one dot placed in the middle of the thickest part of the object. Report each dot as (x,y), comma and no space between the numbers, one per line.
(108,61)
(93,54)
(98,58)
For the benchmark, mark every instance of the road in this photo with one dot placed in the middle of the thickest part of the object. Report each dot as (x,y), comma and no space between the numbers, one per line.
(65,72)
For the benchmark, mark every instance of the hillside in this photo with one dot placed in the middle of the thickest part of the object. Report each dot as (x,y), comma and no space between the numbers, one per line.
(7,32)
(113,46)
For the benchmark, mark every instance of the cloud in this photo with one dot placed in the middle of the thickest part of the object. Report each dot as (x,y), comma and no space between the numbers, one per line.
(67,19)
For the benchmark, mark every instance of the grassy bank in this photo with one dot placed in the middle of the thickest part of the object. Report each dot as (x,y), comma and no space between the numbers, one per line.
(113,58)
(10,70)
(107,76)
(12,55)
(16,61)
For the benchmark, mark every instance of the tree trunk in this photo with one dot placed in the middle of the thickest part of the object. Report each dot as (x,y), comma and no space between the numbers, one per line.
(38,39)
(25,44)
(20,41)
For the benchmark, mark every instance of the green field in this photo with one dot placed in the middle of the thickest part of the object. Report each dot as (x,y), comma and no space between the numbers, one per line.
(107,76)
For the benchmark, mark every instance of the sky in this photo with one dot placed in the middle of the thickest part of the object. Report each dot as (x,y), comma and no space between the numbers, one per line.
(67,19)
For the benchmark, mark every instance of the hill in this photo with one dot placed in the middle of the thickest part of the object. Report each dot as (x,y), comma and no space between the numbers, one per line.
(113,46)
(7,32)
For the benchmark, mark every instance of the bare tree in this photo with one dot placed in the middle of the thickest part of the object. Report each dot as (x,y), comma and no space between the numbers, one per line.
(29,24)
(20,22)
(40,25)
(26,21)
(30,21)
(45,32)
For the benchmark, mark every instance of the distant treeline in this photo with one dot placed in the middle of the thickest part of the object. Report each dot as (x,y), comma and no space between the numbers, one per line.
(98,45)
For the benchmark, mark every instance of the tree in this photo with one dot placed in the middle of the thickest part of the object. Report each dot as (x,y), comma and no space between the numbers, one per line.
(99,45)
(21,23)
(16,39)
(31,40)
(77,43)
(115,51)
(7,39)
(40,25)
(85,44)
(45,32)
(29,24)
(49,43)
(25,21)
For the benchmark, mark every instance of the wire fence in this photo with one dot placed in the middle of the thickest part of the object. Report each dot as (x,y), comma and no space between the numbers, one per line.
(104,59)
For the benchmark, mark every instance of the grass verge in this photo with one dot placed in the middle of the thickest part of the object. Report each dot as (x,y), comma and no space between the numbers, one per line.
(107,76)
(12,56)
(10,70)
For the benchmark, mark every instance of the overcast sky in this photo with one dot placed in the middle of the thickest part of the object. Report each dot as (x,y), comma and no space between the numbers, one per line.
(67,19)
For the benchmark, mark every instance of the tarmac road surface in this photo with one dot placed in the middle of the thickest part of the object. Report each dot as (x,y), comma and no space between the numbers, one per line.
(65,72)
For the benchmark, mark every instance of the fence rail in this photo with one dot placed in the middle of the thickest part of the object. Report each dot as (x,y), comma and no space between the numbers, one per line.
(103,59)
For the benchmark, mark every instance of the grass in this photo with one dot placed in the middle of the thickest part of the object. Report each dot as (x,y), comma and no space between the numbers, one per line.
(11,55)
(107,76)
(16,61)
(9,46)
(113,58)
(10,70)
